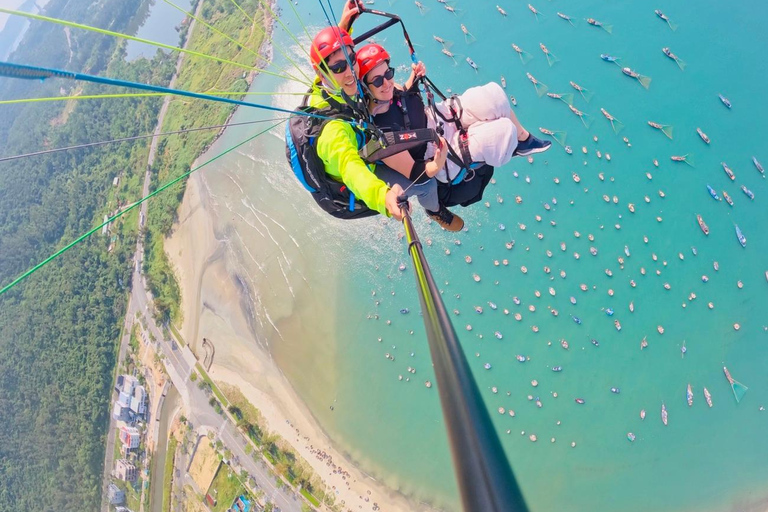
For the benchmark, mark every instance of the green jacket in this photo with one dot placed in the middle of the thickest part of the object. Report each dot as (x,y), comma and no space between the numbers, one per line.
(337,148)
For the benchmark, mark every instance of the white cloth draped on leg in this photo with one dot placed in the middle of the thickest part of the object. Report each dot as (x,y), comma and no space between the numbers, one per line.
(485,113)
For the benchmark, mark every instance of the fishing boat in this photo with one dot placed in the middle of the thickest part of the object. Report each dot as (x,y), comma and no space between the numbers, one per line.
(728,171)
(725,100)
(615,390)
(748,192)
(702,224)
(608,58)
(727,198)
(595,23)
(609,311)
(664,414)
(758,166)
(630,72)
(708,397)
(678,158)
(617,324)
(520,358)
(597,343)
(513,100)
(642,414)
(702,135)
(405,311)
(579,400)
(472,63)
(740,236)
(576,319)
(689,395)
(632,307)
(557,368)
(503,82)
(631,437)
(564,344)
(738,388)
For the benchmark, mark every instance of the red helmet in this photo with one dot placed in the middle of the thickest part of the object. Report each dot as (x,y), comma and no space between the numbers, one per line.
(328,41)
(370,56)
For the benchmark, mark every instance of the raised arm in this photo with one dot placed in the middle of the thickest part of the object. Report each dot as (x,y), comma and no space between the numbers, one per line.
(417,71)
(352,10)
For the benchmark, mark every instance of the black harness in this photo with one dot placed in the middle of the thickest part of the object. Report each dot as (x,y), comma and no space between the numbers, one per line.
(462,159)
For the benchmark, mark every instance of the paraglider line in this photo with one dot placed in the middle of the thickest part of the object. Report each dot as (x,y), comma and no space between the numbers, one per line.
(126,210)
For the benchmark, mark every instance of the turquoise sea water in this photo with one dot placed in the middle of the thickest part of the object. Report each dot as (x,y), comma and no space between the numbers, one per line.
(705,459)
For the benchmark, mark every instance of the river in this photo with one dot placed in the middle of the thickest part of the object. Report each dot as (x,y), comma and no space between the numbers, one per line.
(170,405)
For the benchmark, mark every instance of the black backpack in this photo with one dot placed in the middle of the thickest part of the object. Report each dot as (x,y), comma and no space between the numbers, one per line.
(301,133)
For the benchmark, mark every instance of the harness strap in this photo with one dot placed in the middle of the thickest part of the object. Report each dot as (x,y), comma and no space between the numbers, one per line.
(404,110)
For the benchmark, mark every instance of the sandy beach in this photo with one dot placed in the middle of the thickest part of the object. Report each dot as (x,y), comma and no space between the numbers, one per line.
(213,307)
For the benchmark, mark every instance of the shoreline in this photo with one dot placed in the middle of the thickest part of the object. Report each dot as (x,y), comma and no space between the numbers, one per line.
(212,307)
(215,305)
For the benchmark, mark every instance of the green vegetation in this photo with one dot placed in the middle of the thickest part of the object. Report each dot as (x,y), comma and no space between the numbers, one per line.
(225,487)
(286,462)
(132,493)
(170,455)
(314,501)
(206,382)
(176,155)
(59,328)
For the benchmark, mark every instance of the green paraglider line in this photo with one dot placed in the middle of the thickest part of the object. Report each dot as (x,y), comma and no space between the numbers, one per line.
(140,40)
(240,45)
(126,210)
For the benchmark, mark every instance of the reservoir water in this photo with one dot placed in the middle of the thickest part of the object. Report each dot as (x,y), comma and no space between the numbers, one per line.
(160,26)
(13,28)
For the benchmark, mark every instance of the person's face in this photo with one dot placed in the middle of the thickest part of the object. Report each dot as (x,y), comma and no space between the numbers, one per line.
(379,74)
(345,78)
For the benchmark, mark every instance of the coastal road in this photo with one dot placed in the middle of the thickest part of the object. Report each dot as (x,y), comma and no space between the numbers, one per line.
(136,277)
(179,367)
(201,414)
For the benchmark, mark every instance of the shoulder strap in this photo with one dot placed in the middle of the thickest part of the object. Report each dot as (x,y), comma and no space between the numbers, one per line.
(399,99)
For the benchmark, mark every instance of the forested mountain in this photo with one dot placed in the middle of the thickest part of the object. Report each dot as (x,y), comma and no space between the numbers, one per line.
(59,328)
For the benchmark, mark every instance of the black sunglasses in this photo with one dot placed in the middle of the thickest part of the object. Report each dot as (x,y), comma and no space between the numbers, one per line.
(341,66)
(379,80)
